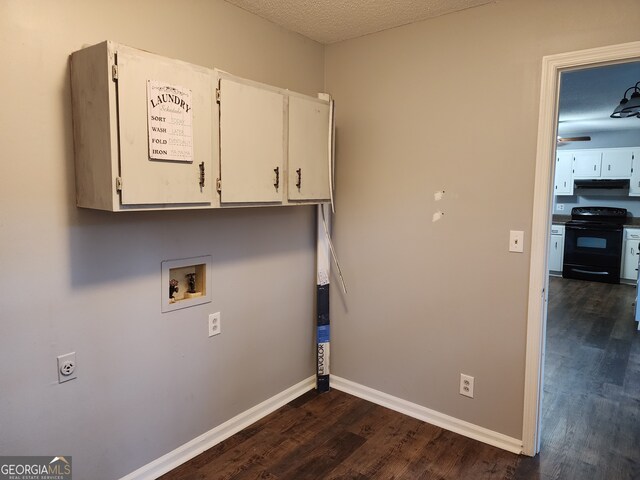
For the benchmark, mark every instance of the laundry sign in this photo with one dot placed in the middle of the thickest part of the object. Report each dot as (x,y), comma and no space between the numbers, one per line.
(169,120)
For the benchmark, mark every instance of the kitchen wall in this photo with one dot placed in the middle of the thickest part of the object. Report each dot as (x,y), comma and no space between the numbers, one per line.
(449,104)
(89,281)
(603,198)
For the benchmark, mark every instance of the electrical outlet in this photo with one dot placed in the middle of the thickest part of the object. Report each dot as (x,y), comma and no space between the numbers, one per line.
(214,324)
(67,367)
(560,206)
(466,385)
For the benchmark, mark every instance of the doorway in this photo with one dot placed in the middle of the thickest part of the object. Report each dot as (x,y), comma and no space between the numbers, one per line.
(552,67)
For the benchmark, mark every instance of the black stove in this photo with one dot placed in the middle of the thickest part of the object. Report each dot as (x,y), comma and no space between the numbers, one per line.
(593,244)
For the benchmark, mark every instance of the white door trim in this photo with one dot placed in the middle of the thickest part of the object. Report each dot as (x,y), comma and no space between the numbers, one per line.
(538,279)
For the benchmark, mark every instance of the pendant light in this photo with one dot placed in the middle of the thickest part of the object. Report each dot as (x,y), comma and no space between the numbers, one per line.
(629,107)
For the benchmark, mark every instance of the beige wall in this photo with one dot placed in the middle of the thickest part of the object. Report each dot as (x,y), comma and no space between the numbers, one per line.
(447,104)
(89,281)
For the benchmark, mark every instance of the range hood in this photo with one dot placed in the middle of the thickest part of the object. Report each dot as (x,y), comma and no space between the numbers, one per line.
(607,183)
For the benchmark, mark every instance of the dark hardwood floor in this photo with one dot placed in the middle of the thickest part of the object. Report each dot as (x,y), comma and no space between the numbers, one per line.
(591,403)
(591,416)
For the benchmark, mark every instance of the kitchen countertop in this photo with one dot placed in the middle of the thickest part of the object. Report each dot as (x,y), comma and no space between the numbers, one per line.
(562,219)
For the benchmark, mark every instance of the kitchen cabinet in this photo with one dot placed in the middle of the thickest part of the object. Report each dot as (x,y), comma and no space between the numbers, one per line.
(563,180)
(634,182)
(630,254)
(587,163)
(556,249)
(616,162)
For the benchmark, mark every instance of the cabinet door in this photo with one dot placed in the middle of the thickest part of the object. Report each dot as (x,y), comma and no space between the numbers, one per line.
(556,250)
(564,174)
(630,259)
(251,143)
(616,163)
(309,150)
(630,252)
(171,172)
(587,164)
(634,183)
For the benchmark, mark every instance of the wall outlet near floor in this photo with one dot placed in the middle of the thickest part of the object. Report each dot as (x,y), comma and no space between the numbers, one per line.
(559,206)
(466,385)
(67,367)
(214,324)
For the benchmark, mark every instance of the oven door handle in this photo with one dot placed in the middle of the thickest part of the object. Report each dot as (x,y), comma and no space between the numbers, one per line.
(588,271)
(597,229)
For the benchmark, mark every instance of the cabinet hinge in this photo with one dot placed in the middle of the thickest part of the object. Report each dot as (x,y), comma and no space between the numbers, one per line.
(114,72)
(118,184)
(217,95)
(218,186)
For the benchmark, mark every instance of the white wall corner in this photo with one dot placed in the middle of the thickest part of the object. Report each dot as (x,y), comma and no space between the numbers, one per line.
(427,415)
(195,447)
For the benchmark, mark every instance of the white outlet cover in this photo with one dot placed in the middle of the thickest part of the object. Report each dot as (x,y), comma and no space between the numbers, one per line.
(466,385)
(215,327)
(67,367)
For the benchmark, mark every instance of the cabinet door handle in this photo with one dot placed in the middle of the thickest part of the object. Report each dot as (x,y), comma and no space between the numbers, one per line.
(277,182)
(202,175)
(299,182)
(594,168)
(609,167)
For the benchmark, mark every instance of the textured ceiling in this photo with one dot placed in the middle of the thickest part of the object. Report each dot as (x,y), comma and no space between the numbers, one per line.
(329,21)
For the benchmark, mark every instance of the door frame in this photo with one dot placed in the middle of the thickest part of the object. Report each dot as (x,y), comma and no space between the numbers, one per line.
(552,66)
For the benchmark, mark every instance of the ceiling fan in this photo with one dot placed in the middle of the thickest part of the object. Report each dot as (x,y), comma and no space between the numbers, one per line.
(573,139)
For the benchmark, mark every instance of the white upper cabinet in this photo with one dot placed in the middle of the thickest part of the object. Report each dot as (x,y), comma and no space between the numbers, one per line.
(309,149)
(587,163)
(616,162)
(275,145)
(143,130)
(165,120)
(563,184)
(155,133)
(634,182)
(251,142)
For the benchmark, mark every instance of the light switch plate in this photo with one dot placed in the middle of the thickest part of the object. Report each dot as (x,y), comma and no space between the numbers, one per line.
(516,241)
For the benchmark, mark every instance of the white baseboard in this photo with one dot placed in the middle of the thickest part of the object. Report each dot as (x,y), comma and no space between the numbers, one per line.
(427,415)
(214,436)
